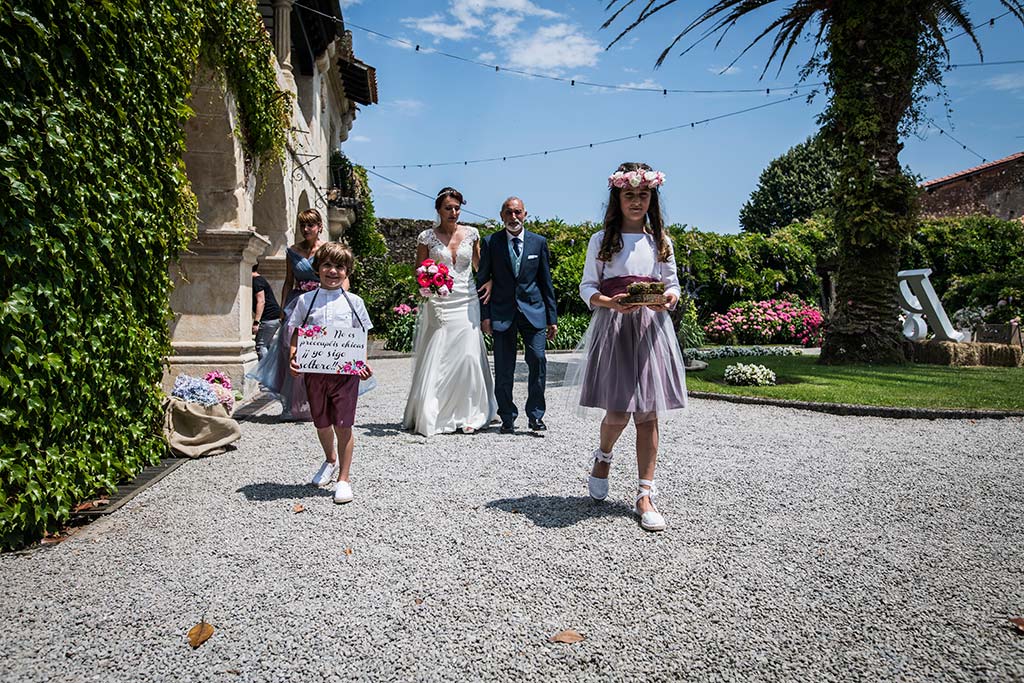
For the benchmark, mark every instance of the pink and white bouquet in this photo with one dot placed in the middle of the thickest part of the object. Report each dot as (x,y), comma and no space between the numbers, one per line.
(433,279)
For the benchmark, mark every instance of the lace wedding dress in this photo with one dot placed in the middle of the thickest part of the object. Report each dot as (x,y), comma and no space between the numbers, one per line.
(452,386)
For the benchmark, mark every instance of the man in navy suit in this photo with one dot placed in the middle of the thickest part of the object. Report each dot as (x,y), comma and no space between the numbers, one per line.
(522,303)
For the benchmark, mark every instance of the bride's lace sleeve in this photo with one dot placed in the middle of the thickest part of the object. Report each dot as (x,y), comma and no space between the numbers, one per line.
(425,237)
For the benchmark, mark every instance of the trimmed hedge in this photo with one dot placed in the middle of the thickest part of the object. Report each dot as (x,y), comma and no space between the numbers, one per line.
(976,261)
(94,205)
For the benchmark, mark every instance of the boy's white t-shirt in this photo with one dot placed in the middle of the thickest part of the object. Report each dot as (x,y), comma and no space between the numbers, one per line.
(330,309)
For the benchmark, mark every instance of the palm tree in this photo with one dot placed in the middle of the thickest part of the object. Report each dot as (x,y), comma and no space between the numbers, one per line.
(877,57)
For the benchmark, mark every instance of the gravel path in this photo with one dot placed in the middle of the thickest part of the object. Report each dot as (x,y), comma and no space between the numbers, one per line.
(801,546)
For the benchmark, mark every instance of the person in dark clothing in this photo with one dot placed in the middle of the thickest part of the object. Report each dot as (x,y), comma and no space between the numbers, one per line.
(266,314)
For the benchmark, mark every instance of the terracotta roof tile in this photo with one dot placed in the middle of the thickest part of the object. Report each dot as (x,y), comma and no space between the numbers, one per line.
(972,170)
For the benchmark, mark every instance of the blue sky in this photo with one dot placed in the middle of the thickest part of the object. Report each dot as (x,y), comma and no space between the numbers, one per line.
(436,109)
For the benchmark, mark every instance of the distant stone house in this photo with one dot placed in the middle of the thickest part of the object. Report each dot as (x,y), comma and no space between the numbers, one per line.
(247,213)
(994,189)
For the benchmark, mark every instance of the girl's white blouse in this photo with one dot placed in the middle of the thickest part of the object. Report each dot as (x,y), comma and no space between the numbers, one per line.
(638,257)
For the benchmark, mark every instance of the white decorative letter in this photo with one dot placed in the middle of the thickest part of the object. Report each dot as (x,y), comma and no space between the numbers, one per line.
(919,300)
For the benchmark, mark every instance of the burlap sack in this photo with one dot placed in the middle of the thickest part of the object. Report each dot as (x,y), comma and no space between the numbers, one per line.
(194,430)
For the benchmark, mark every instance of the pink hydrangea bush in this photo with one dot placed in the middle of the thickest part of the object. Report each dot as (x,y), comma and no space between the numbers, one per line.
(774,321)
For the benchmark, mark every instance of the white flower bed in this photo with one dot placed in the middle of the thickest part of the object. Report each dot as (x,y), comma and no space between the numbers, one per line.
(749,375)
(739,351)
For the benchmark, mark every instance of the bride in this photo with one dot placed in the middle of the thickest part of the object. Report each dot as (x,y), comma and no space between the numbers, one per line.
(452,387)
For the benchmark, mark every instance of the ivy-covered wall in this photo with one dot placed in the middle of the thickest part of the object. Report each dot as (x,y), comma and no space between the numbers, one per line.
(94,205)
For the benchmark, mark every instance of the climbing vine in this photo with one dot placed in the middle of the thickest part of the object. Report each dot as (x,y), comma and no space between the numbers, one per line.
(236,42)
(94,205)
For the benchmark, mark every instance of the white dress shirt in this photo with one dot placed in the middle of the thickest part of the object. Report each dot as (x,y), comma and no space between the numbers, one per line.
(330,310)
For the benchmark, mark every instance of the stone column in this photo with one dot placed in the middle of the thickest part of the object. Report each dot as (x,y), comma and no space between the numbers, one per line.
(283,34)
(212,304)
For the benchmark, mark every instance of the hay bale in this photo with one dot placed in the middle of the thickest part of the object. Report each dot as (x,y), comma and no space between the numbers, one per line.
(1002,355)
(965,354)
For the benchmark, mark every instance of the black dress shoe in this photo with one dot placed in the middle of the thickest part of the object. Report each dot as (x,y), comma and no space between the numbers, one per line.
(538,425)
(507,429)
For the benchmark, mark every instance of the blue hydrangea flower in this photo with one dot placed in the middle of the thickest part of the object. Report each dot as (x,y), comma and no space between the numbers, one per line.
(194,390)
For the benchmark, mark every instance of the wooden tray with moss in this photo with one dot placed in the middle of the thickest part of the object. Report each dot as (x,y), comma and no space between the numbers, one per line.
(646,294)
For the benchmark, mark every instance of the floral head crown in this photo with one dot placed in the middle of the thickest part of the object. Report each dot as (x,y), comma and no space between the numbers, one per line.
(635,179)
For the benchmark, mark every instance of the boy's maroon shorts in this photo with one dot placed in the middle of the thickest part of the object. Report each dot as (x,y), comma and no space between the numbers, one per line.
(332,399)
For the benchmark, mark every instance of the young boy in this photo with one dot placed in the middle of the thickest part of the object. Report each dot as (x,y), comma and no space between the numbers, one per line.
(332,398)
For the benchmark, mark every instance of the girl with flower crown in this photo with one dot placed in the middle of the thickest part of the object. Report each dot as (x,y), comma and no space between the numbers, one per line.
(631,364)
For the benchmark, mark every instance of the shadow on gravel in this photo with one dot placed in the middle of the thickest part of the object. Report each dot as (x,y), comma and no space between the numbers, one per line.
(269,490)
(556,512)
(383,429)
(264,419)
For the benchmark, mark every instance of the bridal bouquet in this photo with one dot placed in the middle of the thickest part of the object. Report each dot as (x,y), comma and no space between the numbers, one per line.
(433,279)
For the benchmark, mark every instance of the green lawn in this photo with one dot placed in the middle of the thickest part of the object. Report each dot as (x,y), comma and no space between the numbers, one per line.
(800,378)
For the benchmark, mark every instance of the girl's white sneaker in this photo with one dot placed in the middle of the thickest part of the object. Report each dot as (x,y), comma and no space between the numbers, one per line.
(325,474)
(342,492)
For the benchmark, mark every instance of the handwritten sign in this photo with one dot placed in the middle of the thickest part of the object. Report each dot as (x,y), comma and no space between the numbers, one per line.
(331,350)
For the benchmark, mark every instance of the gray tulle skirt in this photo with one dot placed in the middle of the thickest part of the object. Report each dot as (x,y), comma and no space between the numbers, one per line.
(630,363)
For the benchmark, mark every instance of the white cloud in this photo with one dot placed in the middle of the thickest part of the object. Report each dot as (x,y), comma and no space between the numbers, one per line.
(358,138)
(1007,82)
(345,4)
(439,26)
(646,83)
(466,17)
(727,71)
(410,107)
(554,47)
(504,25)
(541,46)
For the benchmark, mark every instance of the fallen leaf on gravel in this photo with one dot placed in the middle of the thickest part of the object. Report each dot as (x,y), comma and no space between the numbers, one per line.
(1018,624)
(348,551)
(233,671)
(418,601)
(299,507)
(567,636)
(199,634)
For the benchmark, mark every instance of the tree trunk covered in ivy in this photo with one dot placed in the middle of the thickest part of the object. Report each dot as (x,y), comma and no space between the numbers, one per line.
(875,53)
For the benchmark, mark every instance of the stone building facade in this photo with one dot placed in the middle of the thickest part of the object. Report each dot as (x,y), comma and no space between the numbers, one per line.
(247,213)
(994,189)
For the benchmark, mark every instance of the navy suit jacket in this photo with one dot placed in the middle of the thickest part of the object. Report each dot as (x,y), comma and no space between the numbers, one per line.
(531,292)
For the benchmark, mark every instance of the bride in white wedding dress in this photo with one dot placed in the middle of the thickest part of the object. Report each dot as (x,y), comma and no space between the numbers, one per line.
(452,386)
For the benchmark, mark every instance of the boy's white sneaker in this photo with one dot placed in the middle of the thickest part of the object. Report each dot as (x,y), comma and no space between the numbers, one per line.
(325,474)
(342,492)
